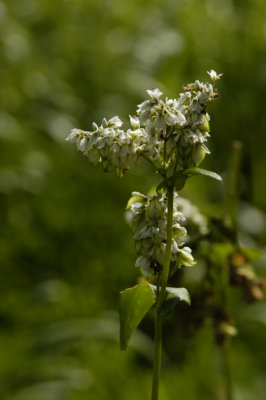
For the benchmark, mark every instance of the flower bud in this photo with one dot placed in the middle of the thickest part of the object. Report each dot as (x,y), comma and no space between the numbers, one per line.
(197,85)
(194,105)
(104,123)
(198,154)
(138,224)
(93,156)
(134,122)
(185,258)
(179,232)
(159,253)
(143,246)
(94,126)
(154,209)
(204,123)
(83,145)
(137,198)
(104,151)
(138,247)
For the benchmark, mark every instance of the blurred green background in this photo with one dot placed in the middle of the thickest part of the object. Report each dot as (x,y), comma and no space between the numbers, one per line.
(65,248)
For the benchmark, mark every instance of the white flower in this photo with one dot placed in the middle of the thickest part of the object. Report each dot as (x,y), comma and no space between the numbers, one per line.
(115,122)
(134,122)
(174,248)
(214,76)
(75,135)
(185,258)
(155,94)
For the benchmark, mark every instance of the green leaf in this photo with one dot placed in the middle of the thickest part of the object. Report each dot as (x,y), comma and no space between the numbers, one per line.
(174,296)
(178,179)
(134,304)
(200,171)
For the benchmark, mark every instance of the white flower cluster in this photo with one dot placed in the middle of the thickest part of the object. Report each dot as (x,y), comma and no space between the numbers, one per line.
(167,133)
(148,220)
(110,145)
(178,128)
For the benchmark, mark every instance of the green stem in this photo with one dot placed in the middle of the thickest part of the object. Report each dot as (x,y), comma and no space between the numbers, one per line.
(164,279)
(157,355)
(227,373)
(166,268)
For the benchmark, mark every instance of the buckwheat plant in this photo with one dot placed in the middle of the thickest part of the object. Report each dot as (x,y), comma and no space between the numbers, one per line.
(172,135)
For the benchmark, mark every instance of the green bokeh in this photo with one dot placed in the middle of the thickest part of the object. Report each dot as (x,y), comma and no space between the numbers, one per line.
(65,248)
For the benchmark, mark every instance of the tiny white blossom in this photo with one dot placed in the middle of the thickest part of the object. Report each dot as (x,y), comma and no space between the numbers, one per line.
(134,122)
(155,93)
(214,76)
(186,258)
(94,126)
(115,122)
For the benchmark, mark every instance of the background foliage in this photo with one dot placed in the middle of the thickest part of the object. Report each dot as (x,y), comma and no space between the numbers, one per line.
(65,248)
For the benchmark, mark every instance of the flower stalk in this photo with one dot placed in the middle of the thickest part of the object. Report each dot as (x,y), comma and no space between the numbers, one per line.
(157,354)
(163,284)
(166,267)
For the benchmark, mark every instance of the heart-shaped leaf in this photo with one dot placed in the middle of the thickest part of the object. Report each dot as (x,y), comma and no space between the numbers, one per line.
(134,304)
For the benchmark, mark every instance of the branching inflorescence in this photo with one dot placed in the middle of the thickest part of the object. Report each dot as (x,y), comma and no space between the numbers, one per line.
(172,135)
